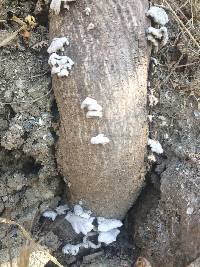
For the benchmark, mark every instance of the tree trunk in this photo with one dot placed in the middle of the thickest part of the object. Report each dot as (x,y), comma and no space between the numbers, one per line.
(110,52)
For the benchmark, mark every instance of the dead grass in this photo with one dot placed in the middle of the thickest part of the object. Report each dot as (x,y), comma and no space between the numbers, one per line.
(33,246)
(180,59)
(183,27)
(24,256)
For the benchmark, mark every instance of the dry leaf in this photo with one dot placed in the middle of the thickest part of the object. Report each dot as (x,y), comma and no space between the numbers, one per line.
(10,37)
(30,20)
(25,34)
(142,262)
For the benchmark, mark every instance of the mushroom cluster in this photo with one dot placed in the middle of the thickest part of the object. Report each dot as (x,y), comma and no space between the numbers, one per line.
(82,222)
(157,35)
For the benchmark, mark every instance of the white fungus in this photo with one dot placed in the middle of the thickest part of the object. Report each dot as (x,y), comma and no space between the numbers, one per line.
(100,139)
(108,237)
(60,64)
(56,5)
(87,102)
(157,33)
(78,210)
(57,44)
(150,117)
(154,61)
(71,249)
(74,249)
(190,210)
(93,114)
(152,158)
(155,146)
(80,220)
(158,15)
(157,36)
(62,209)
(94,109)
(105,225)
(154,41)
(90,27)
(50,214)
(153,101)
(87,11)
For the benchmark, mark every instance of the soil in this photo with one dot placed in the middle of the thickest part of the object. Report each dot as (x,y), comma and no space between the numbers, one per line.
(163,225)
(166,218)
(29,179)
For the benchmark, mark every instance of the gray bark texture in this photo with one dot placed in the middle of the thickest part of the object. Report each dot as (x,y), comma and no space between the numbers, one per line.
(111,65)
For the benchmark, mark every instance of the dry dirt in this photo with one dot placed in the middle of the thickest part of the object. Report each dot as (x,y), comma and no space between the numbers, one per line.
(165,221)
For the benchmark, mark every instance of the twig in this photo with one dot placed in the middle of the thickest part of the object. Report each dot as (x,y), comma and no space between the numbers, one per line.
(39,75)
(187,65)
(182,25)
(28,237)
(11,37)
(172,70)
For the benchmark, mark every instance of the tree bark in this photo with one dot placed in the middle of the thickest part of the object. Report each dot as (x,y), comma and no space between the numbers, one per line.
(111,64)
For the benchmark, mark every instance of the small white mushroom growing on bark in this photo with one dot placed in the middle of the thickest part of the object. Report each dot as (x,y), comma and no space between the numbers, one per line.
(155,146)
(152,158)
(94,109)
(87,11)
(90,27)
(157,36)
(100,139)
(57,44)
(108,237)
(87,102)
(153,101)
(56,5)
(60,64)
(158,15)
(150,117)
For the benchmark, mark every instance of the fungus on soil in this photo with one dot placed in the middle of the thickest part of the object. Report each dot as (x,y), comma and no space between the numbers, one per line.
(155,146)
(105,225)
(50,214)
(108,237)
(82,222)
